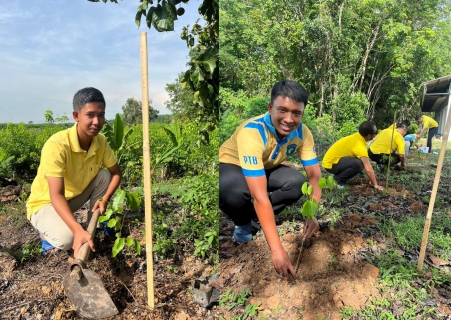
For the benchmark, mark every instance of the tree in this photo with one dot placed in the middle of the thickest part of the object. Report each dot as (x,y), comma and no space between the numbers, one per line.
(48,115)
(181,101)
(343,52)
(203,73)
(62,119)
(132,112)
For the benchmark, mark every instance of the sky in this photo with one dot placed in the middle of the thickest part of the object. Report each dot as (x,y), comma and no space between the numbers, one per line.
(49,49)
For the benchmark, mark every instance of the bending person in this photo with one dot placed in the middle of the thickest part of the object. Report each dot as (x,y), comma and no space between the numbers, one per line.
(349,156)
(426,122)
(382,150)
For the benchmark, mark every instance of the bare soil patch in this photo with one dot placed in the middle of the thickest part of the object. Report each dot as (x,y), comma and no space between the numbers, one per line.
(332,273)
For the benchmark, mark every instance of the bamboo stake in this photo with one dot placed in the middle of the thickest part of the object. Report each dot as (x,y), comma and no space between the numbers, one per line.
(438,172)
(391,146)
(146,165)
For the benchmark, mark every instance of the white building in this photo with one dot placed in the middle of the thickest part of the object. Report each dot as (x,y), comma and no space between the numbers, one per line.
(436,98)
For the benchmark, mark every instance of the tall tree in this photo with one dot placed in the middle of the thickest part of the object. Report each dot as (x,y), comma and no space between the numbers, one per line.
(343,52)
(203,73)
(181,103)
(132,112)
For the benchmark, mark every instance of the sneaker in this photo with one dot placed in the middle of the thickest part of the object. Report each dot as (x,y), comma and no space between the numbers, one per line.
(341,186)
(47,248)
(243,233)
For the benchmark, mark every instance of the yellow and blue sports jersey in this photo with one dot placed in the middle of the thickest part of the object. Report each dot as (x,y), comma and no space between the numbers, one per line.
(350,146)
(255,146)
(383,141)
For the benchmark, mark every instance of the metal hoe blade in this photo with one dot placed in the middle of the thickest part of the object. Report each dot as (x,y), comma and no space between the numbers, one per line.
(89,297)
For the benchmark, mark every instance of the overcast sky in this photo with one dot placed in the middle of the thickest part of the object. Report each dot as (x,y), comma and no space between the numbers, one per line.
(49,49)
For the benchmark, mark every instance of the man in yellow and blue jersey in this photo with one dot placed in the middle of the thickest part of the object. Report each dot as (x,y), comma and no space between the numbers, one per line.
(252,180)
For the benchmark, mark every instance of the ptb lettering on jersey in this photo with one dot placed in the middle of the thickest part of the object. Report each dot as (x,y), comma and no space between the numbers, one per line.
(250,160)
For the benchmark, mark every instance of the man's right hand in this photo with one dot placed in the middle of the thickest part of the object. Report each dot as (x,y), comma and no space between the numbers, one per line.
(282,264)
(80,238)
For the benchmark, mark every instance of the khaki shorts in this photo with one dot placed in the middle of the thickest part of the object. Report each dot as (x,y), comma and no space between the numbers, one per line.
(49,223)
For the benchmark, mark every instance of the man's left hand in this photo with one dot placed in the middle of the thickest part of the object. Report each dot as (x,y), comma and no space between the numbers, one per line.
(311,226)
(100,204)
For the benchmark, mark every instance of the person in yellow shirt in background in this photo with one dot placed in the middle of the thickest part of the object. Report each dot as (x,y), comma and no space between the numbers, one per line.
(426,122)
(70,173)
(349,156)
(383,147)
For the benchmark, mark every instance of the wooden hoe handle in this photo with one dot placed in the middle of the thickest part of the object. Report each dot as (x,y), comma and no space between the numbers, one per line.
(83,253)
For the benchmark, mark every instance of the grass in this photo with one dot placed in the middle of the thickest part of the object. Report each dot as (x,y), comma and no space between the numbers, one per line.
(405,293)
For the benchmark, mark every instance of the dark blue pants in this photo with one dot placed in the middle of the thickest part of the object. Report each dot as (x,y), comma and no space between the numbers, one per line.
(381,158)
(283,183)
(345,169)
(432,132)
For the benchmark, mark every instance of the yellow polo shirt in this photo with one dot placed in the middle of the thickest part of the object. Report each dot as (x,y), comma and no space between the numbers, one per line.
(255,146)
(350,146)
(62,157)
(428,122)
(381,144)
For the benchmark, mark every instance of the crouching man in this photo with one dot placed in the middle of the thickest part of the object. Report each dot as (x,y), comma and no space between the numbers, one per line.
(252,181)
(71,172)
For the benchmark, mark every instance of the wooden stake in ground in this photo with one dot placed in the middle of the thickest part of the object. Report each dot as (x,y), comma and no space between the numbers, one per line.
(438,172)
(146,165)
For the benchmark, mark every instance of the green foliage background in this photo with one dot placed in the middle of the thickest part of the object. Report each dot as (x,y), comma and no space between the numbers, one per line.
(358,60)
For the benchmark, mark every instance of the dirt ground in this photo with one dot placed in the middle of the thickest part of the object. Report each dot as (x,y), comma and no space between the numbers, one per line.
(32,289)
(333,271)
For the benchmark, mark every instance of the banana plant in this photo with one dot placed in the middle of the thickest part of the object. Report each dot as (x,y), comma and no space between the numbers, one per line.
(164,153)
(116,137)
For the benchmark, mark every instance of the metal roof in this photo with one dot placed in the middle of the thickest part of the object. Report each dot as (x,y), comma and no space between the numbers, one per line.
(435,94)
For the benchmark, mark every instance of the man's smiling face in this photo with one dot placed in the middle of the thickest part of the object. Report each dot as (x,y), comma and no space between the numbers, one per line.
(286,115)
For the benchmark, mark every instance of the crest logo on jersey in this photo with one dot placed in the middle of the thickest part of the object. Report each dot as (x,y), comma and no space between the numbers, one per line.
(291,149)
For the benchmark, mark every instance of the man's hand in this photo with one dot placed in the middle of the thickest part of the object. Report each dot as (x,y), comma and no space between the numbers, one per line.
(378,187)
(81,237)
(282,264)
(100,204)
(311,226)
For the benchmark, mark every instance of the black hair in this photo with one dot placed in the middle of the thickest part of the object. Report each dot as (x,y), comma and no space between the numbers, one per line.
(87,95)
(417,118)
(366,128)
(401,125)
(289,89)
(406,122)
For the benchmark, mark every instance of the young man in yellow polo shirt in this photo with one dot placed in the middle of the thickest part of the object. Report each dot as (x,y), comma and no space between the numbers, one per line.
(426,122)
(383,147)
(349,156)
(70,173)
(252,180)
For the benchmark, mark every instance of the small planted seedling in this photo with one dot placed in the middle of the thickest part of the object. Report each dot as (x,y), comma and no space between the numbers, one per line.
(310,207)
